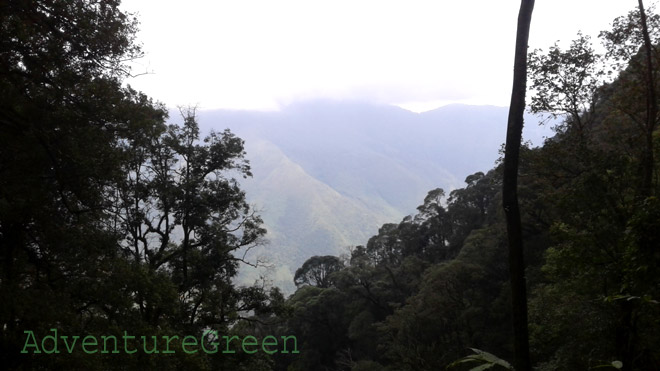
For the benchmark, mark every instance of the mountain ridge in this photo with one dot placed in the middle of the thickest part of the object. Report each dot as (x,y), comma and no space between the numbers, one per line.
(328,174)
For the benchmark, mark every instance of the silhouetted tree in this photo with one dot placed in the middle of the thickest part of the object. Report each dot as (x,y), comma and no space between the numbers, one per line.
(510,190)
(317,271)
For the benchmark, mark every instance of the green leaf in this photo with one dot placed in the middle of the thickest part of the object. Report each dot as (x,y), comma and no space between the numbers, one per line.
(488,360)
(485,366)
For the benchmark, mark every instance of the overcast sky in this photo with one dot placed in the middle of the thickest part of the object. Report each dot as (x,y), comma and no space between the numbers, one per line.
(419,54)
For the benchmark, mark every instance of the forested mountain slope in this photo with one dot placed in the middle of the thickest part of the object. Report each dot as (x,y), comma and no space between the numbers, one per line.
(425,292)
(123,231)
(327,174)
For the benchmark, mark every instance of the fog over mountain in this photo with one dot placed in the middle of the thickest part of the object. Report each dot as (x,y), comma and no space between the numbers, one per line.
(328,174)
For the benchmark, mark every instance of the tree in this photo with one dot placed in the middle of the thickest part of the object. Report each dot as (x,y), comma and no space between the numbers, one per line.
(317,271)
(110,220)
(630,44)
(510,189)
(63,113)
(566,83)
(599,266)
(651,105)
(182,215)
(458,305)
(320,319)
(633,43)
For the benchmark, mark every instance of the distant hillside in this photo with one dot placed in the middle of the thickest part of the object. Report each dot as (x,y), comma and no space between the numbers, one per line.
(328,174)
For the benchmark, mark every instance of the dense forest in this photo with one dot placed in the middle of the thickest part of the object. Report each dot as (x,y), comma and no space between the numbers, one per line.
(118,228)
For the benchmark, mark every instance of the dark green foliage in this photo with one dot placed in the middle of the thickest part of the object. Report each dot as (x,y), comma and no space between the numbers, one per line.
(113,221)
(593,271)
(110,221)
(398,300)
(424,291)
(184,219)
(318,271)
(62,111)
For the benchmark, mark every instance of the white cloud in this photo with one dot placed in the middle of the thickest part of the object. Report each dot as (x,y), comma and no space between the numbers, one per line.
(261,54)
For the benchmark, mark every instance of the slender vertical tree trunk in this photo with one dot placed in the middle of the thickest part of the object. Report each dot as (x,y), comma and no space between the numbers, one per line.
(510,190)
(628,328)
(651,108)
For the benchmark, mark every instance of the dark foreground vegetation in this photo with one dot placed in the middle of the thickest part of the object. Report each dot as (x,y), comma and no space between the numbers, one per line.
(113,223)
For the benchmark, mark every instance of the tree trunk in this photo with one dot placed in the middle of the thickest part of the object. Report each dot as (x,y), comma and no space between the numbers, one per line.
(628,340)
(510,190)
(651,108)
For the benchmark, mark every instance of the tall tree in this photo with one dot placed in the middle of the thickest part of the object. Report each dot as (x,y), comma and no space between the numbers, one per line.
(630,49)
(651,106)
(317,271)
(109,219)
(565,84)
(62,113)
(183,217)
(510,189)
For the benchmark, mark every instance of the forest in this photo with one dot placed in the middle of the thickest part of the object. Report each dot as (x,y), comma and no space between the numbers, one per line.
(115,225)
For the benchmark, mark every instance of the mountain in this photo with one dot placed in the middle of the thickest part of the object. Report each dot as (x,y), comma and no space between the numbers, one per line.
(328,174)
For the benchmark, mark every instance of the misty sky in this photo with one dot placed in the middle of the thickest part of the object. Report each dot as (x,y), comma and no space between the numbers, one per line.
(419,54)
